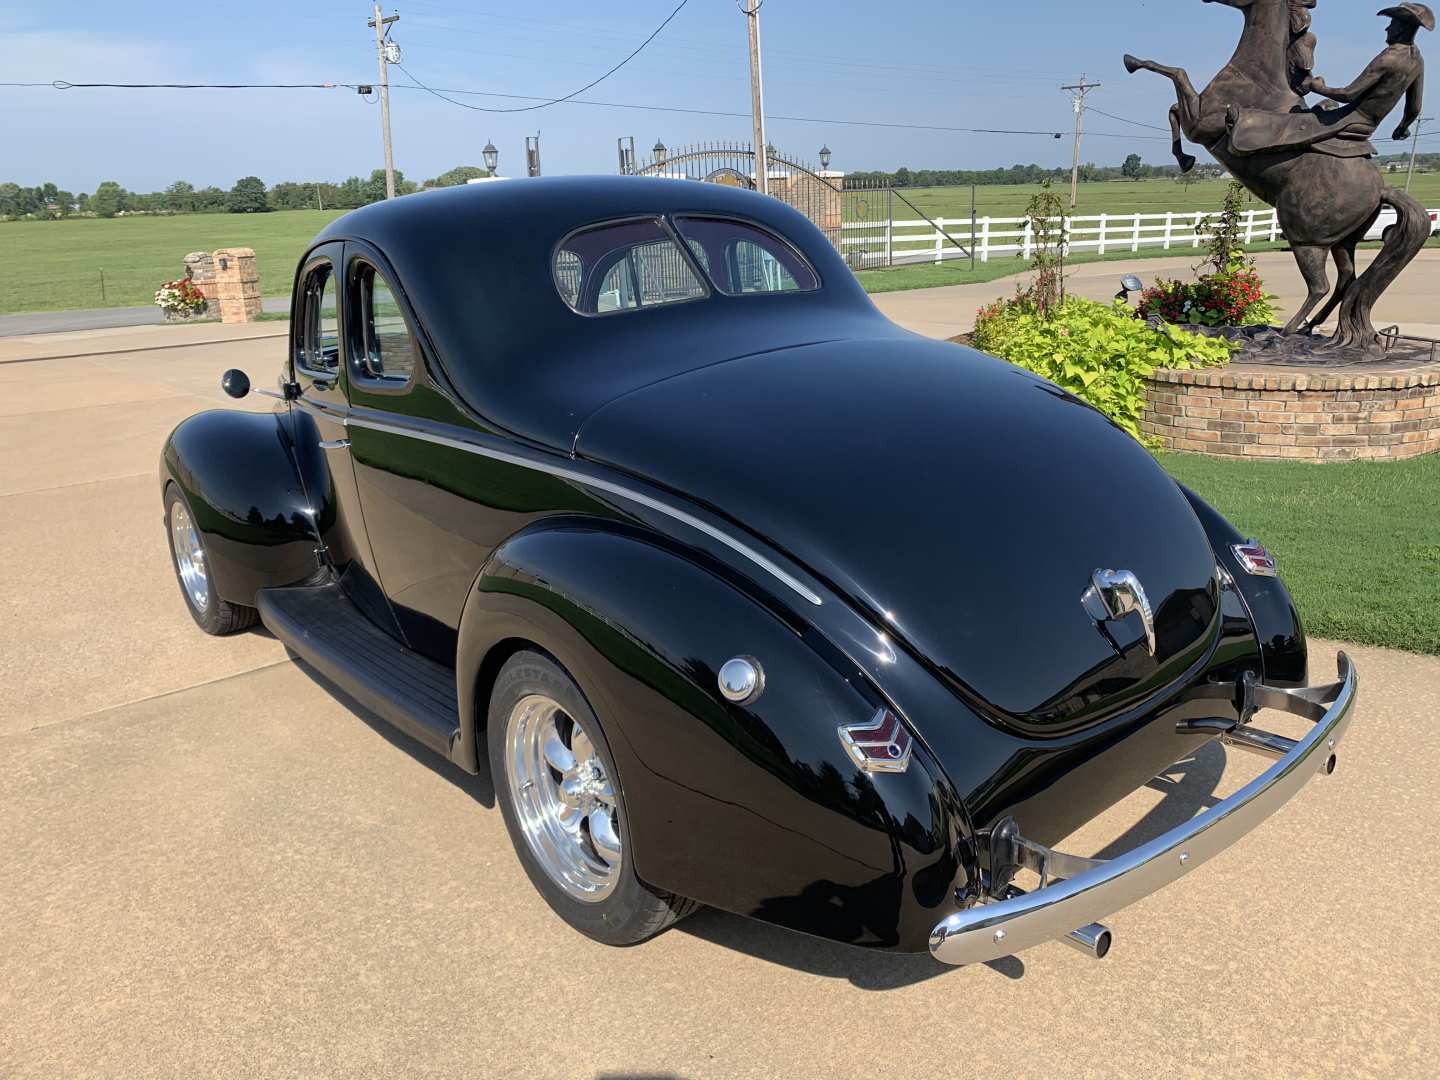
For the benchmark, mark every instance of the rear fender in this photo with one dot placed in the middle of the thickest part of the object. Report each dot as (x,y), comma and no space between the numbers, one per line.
(1277,623)
(238,478)
(755,809)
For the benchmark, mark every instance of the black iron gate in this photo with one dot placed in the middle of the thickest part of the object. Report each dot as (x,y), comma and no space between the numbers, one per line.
(857,215)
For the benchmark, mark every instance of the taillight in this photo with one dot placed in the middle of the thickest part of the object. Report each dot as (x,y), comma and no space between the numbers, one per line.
(1254,559)
(880,744)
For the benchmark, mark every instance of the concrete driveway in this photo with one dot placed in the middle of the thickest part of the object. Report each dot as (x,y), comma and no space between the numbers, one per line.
(215,865)
(949,310)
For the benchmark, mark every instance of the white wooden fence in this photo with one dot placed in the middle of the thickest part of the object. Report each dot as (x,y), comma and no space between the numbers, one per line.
(920,241)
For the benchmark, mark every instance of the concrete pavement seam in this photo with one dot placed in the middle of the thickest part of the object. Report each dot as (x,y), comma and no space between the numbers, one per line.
(147,348)
(73,483)
(148,697)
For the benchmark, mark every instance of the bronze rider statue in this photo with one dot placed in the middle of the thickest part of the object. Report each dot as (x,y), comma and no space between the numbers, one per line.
(1397,72)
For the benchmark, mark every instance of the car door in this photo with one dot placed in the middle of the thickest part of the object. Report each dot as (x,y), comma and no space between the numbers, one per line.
(322,444)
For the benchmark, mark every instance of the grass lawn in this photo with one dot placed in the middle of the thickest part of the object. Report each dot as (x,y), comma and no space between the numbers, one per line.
(1358,543)
(55,265)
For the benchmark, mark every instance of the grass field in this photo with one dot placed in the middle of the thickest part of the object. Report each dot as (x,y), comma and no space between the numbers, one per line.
(56,265)
(1119,197)
(1358,544)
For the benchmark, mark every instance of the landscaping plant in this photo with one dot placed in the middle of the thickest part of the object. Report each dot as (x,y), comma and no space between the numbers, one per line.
(1231,294)
(1099,352)
(180,298)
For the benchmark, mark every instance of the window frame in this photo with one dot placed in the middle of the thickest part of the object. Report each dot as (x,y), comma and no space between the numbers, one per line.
(308,328)
(360,326)
(740,219)
(707,287)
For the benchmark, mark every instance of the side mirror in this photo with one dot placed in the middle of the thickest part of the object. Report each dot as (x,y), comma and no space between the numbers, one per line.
(235,383)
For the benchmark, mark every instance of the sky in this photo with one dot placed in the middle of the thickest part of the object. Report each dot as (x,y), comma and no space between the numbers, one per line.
(952,63)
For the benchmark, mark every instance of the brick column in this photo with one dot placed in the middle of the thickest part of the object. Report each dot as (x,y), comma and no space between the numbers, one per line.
(237,284)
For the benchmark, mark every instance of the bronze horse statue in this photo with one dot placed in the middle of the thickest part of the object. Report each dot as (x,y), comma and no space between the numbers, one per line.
(1327,196)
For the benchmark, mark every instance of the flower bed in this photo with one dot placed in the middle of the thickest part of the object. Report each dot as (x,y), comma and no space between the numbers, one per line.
(180,299)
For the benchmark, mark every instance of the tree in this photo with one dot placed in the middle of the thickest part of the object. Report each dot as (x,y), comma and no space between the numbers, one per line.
(180,197)
(457,176)
(211,200)
(248,196)
(108,200)
(1133,167)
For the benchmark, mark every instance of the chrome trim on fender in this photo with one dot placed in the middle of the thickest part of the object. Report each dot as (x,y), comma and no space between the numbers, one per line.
(990,931)
(575,476)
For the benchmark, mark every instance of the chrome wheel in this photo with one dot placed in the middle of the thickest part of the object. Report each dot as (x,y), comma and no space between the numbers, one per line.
(564,800)
(189,557)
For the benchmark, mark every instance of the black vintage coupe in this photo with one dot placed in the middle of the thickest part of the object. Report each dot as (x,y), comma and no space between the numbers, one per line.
(622,489)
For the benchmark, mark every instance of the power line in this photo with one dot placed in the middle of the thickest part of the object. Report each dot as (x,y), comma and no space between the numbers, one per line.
(1049,134)
(1126,119)
(61,84)
(556,101)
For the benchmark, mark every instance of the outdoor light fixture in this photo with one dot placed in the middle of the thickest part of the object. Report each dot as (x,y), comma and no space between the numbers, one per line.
(659,151)
(824,157)
(492,157)
(1128,284)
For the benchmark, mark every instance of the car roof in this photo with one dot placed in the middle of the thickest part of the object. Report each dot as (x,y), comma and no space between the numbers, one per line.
(475,264)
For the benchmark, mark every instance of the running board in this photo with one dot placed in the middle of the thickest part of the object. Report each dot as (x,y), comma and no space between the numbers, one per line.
(322,626)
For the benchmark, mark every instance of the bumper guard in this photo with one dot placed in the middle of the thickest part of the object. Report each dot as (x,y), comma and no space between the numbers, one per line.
(1092,889)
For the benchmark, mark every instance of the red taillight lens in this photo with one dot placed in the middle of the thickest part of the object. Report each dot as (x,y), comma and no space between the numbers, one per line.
(1254,559)
(880,744)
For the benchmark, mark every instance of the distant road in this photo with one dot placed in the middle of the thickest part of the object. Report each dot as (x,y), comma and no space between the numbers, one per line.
(57,322)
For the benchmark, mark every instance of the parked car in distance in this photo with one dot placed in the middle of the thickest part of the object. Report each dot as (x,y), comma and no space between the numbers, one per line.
(1388,217)
(623,490)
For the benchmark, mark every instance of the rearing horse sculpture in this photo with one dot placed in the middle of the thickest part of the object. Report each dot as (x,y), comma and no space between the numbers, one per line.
(1326,197)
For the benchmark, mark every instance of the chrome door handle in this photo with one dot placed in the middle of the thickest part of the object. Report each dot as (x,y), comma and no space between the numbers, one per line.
(334,444)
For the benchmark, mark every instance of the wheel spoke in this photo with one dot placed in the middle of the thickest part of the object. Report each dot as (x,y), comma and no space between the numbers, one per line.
(569,818)
(603,836)
(557,754)
(580,744)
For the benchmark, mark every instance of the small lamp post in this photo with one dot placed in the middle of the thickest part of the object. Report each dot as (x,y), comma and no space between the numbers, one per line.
(824,159)
(659,151)
(492,157)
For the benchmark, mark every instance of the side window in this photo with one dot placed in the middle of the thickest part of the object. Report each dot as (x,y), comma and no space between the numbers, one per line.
(319,347)
(382,346)
(622,267)
(743,259)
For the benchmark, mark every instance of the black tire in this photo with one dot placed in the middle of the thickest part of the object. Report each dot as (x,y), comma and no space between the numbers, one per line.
(632,911)
(216,616)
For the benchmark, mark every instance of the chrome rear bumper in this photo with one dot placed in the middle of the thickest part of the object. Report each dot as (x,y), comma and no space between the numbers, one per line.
(1093,889)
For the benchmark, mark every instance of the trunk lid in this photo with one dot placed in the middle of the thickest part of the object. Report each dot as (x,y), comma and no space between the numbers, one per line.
(963,502)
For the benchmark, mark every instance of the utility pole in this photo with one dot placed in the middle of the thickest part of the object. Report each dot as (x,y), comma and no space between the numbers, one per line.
(751,8)
(1414,147)
(381,31)
(1078,92)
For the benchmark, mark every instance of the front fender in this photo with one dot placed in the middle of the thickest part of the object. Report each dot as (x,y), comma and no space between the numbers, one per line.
(238,478)
(1283,651)
(754,809)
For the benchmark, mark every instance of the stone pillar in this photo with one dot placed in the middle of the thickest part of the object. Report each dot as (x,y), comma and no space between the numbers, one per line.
(200,269)
(237,285)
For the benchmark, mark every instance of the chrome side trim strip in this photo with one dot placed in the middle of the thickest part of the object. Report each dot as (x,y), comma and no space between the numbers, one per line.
(584,480)
(990,931)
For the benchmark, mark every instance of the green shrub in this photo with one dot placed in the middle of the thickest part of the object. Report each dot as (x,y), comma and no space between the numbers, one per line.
(1100,353)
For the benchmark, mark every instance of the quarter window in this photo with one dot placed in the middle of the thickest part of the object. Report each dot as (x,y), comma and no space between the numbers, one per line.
(383,346)
(320,331)
(623,267)
(742,258)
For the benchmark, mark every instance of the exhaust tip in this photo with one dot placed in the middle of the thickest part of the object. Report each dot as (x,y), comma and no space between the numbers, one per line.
(1330,765)
(1093,940)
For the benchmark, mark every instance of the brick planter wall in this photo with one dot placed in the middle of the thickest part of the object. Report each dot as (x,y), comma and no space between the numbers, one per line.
(1238,412)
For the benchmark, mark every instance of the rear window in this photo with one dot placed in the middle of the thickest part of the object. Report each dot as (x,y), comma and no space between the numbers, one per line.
(622,267)
(741,258)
